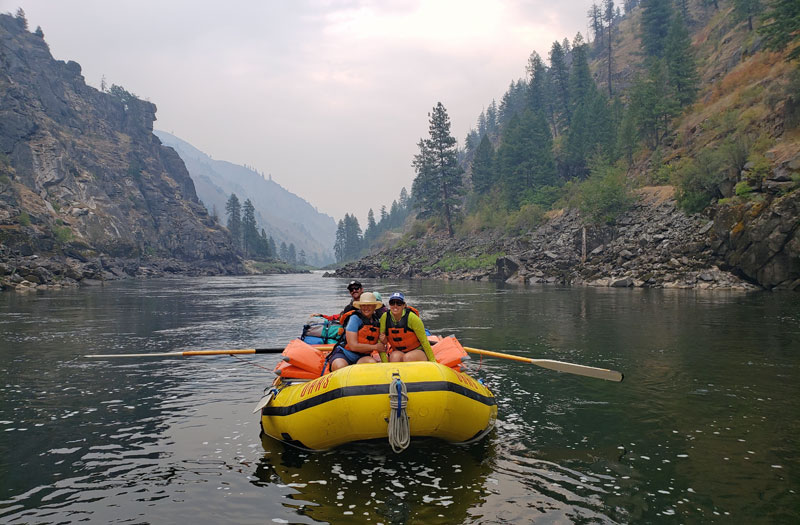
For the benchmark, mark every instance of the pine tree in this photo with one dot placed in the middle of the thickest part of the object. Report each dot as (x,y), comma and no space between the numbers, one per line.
(524,158)
(340,245)
(513,102)
(405,200)
(680,63)
(630,5)
(651,104)
(626,137)
(491,120)
(746,10)
(560,75)
(263,242)
(781,26)
(372,227)
(683,9)
(608,17)
(284,252)
(352,237)
(249,229)
(423,188)
(540,90)
(234,211)
(394,215)
(482,167)
(482,129)
(595,15)
(472,141)
(590,128)
(538,168)
(21,20)
(291,254)
(585,130)
(582,88)
(654,25)
(438,185)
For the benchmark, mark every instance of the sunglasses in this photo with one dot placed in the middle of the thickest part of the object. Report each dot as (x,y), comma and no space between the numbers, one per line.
(396,302)
(354,289)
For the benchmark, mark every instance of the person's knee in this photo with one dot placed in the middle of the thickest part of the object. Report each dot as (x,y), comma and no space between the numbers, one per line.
(415,355)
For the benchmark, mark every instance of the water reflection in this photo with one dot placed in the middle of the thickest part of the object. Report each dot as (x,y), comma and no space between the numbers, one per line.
(702,429)
(431,482)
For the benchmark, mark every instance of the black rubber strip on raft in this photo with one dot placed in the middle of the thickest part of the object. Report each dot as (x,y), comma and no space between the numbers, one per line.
(372,390)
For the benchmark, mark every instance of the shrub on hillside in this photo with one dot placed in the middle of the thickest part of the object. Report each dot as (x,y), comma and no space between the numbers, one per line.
(485,212)
(698,180)
(603,196)
(527,218)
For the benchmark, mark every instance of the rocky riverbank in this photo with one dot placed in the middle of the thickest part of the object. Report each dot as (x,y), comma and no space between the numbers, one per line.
(36,272)
(652,245)
(24,273)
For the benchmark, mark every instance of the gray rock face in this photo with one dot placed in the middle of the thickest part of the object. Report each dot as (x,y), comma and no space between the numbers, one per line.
(81,171)
(761,240)
(652,245)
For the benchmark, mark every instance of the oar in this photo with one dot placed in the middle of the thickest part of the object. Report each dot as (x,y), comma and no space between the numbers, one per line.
(560,366)
(190,353)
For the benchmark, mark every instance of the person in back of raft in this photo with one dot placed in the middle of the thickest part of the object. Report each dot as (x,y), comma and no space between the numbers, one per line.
(362,328)
(355,290)
(403,331)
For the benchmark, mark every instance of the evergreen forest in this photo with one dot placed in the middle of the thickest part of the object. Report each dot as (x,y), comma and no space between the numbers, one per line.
(603,114)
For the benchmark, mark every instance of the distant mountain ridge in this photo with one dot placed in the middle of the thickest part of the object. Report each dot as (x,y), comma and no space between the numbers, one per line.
(285,216)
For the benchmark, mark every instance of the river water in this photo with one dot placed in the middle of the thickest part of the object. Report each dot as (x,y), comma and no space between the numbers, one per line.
(703,429)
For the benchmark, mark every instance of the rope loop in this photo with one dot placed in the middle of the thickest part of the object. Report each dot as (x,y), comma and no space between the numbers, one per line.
(399,432)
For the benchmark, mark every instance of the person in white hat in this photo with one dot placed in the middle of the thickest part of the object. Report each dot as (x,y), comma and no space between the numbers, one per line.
(362,328)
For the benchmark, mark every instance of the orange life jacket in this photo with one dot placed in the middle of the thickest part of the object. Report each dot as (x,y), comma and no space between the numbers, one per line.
(398,334)
(367,334)
(449,352)
(301,360)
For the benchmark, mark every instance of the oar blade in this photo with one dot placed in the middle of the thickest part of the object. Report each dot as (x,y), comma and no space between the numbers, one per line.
(581,370)
(154,354)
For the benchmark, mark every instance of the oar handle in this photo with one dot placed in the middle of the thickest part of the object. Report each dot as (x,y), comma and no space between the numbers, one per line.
(191,353)
(498,354)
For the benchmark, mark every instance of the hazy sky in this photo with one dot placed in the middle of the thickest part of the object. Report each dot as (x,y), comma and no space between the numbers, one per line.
(330,97)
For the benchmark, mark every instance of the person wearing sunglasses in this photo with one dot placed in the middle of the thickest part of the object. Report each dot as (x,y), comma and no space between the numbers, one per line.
(355,290)
(403,332)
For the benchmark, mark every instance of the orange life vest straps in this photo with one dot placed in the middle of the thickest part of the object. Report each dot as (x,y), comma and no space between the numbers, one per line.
(399,335)
(369,331)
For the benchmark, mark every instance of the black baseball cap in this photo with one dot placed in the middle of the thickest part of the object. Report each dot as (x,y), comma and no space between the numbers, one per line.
(353,285)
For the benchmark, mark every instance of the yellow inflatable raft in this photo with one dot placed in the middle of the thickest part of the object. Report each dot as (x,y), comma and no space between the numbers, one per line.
(353,403)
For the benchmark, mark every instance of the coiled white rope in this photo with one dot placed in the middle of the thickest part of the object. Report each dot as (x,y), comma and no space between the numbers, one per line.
(399,432)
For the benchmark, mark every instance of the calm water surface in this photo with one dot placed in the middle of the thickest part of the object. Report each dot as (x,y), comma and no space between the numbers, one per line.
(703,429)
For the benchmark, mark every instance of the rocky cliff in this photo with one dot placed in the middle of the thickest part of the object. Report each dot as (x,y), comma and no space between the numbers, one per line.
(83,178)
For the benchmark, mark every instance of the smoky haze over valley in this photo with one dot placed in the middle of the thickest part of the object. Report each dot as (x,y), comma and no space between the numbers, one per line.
(330,98)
